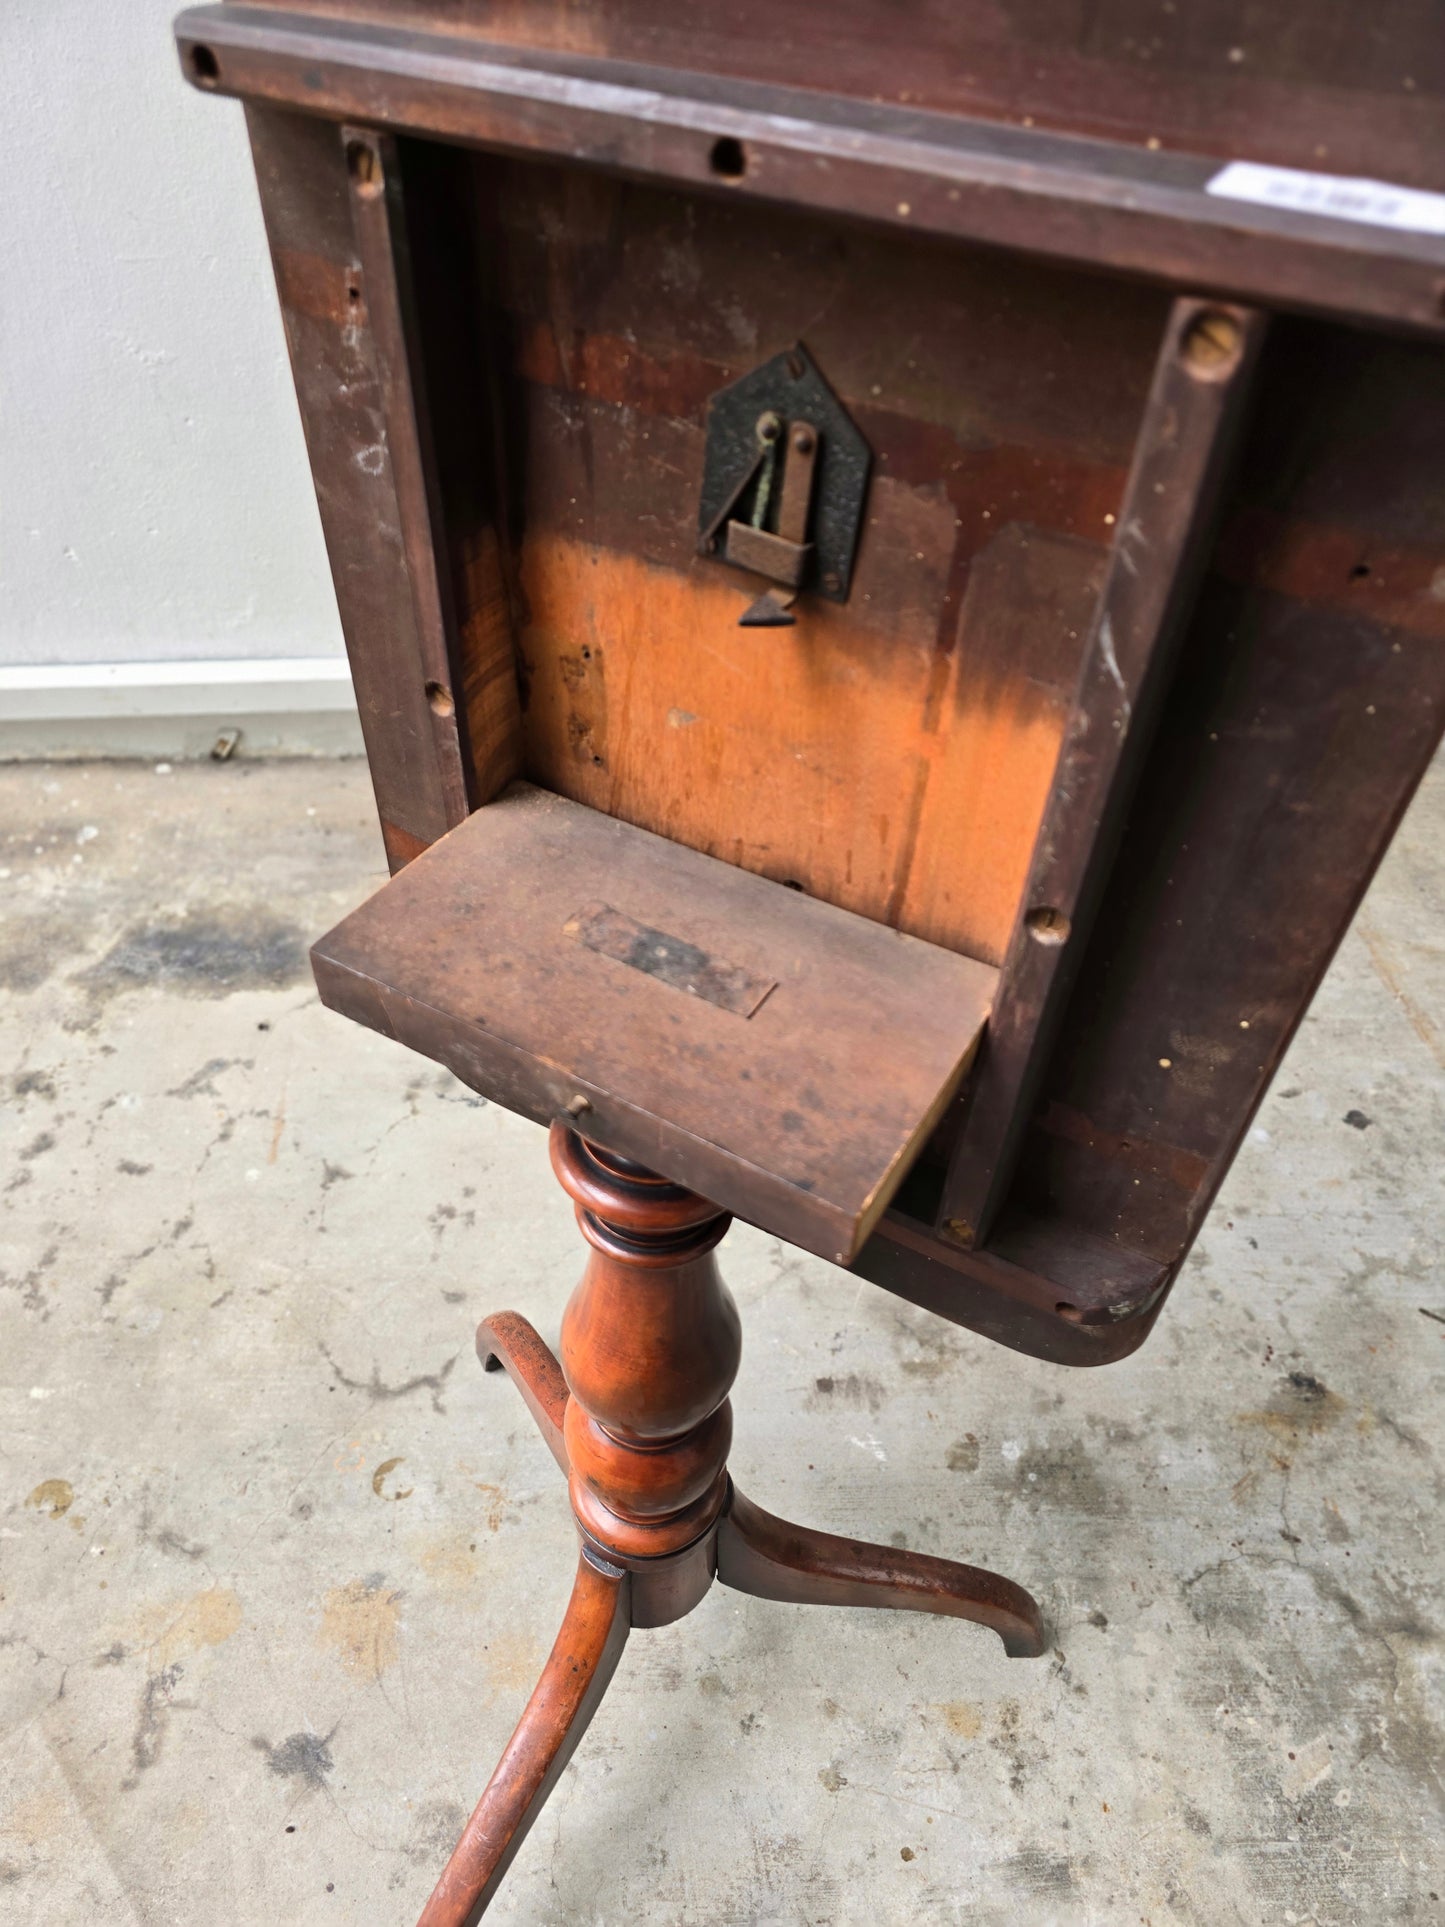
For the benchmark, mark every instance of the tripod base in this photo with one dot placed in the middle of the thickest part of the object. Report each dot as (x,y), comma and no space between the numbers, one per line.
(743,1547)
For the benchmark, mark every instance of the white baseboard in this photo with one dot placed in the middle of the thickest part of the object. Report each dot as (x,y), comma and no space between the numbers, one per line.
(282,706)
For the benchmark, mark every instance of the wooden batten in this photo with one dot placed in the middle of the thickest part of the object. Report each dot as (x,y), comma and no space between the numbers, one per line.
(1189,430)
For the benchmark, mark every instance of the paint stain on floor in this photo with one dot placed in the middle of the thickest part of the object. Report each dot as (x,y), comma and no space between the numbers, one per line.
(961,1718)
(449,1560)
(361,1624)
(208,1618)
(207,953)
(54,1497)
(513,1661)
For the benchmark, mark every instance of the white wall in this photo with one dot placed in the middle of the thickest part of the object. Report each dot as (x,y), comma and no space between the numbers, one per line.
(155,502)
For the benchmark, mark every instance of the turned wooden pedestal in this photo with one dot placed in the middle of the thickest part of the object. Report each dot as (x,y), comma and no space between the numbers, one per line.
(637,1416)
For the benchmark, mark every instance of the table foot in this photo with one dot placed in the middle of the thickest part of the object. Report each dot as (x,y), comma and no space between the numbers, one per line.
(771,1559)
(569,1692)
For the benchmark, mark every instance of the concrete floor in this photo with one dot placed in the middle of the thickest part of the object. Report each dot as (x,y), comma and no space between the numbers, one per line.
(280,1564)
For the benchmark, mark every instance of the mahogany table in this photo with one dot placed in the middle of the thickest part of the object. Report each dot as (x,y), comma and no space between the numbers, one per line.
(892,569)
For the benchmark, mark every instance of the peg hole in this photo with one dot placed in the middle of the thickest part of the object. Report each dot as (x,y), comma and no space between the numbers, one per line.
(364,165)
(728,158)
(1359,572)
(440,698)
(1047,925)
(205,68)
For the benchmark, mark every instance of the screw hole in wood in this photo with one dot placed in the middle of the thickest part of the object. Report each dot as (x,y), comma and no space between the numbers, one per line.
(728,158)
(205,68)
(1047,925)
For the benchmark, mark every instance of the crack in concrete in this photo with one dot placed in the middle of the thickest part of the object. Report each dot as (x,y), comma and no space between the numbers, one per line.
(376,1390)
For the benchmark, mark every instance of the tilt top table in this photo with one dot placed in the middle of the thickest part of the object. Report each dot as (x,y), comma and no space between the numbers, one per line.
(894,582)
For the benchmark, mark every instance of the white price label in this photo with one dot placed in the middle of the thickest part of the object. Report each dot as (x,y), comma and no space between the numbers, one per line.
(1376,203)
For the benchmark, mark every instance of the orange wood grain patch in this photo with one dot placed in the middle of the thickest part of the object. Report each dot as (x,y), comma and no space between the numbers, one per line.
(489,693)
(886,775)
(991,755)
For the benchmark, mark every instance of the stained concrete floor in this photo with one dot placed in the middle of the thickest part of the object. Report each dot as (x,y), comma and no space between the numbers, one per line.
(279,1563)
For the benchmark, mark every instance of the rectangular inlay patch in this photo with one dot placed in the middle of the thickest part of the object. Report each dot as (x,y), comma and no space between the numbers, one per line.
(672,960)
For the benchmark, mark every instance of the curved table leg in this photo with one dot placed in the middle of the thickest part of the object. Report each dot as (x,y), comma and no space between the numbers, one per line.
(506,1339)
(759,1554)
(569,1692)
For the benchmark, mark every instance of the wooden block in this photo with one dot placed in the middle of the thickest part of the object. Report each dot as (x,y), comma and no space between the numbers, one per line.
(781,1056)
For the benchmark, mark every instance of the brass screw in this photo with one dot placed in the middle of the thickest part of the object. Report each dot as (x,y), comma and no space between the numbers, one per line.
(961,1229)
(1211,340)
(803,440)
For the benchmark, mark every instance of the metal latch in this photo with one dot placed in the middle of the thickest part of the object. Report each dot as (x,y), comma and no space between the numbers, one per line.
(785,473)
